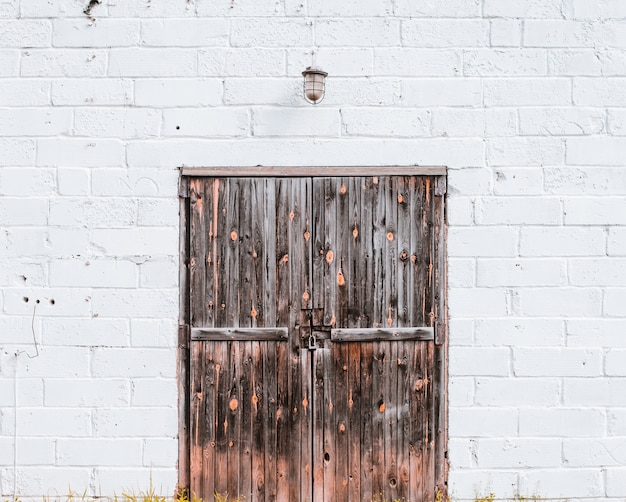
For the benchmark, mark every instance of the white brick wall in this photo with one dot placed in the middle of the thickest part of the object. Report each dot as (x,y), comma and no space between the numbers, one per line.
(523,100)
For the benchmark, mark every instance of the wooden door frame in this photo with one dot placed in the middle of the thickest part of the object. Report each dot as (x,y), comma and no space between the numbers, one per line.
(440,385)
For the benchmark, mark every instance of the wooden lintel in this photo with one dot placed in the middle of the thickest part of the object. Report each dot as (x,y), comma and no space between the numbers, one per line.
(320,171)
(381,334)
(240,334)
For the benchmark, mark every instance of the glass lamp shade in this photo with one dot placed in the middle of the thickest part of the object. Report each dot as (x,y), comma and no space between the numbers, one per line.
(314,83)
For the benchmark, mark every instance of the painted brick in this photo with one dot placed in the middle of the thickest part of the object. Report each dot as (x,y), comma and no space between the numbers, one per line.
(562,241)
(599,91)
(602,392)
(185,32)
(271,32)
(244,8)
(16,92)
(25,33)
(154,332)
(94,273)
(527,151)
(501,122)
(591,452)
(615,481)
(617,122)
(461,390)
(504,62)
(54,479)
(35,8)
(461,332)
(63,63)
(444,33)
(518,453)
(100,452)
(23,211)
(612,61)
(359,32)
(581,62)
(441,92)
(87,392)
(597,272)
(547,361)
(17,152)
(596,333)
(462,272)
(108,479)
(266,91)
(520,272)
(9,63)
(103,33)
(617,422)
(67,422)
(495,241)
(45,241)
(86,332)
(157,212)
(296,122)
(206,123)
(248,61)
(116,123)
(159,274)
(458,122)
(617,241)
(595,211)
(80,152)
(579,302)
(519,392)
(480,361)
(395,122)
(125,303)
(93,213)
(463,210)
(478,302)
(328,8)
(586,180)
(598,9)
(527,92)
(518,181)
(77,92)
(483,422)
(519,332)
(165,93)
(505,33)
(453,8)
(565,483)
(606,151)
(417,62)
(154,392)
(518,211)
(339,62)
(523,8)
(136,422)
(160,452)
(140,182)
(29,390)
(484,481)
(23,181)
(135,241)
(614,299)
(73,181)
(153,62)
(558,33)
(561,121)
(131,363)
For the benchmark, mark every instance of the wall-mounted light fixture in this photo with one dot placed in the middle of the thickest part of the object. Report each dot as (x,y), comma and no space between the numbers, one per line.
(314,84)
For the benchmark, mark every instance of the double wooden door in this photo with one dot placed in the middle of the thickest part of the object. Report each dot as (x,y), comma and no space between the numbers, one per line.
(314,373)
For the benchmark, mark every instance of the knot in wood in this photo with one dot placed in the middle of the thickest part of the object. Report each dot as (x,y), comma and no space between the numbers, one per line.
(330,257)
(389,236)
(233,236)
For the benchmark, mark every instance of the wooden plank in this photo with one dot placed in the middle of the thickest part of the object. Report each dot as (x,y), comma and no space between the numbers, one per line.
(208,397)
(429,444)
(233,282)
(381,334)
(390,251)
(391,423)
(319,359)
(416,431)
(197,254)
(378,252)
(244,249)
(403,419)
(356,263)
(331,258)
(233,414)
(269,263)
(340,421)
(259,421)
(354,422)
(221,287)
(342,282)
(318,240)
(366,254)
(379,405)
(239,334)
(306,427)
(257,206)
(313,171)
(271,398)
(222,378)
(329,424)
(403,249)
(198,435)
(368,408)
(211,210)
(246,375)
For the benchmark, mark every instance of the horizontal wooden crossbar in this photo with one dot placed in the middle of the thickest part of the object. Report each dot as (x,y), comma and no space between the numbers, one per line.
(317,171)
(382,334)
(240,334)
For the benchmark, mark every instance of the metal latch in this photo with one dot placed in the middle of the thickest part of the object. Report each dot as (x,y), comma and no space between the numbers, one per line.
(312,340)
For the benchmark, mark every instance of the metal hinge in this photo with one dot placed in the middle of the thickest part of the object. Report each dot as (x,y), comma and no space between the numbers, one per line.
(441,185)
(184,336)
(440,332)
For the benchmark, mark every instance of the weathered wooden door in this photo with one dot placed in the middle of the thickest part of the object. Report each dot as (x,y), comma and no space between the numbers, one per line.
(314,370)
